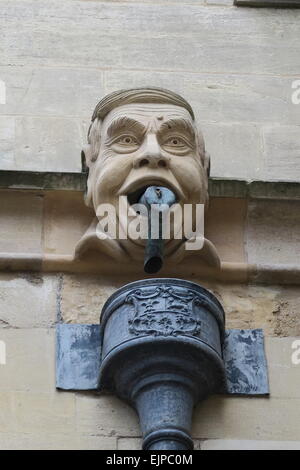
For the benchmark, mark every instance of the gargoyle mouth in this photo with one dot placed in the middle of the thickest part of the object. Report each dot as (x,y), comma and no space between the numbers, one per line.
(134,197)
(135,191)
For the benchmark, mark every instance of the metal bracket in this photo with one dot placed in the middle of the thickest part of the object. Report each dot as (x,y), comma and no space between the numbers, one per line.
(78,358)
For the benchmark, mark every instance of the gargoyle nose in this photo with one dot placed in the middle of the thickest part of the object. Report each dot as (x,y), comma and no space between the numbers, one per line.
(151,156)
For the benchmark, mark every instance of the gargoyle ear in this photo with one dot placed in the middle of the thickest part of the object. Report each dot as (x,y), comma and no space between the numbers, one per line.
(207,163)
(86,158)
(86,163)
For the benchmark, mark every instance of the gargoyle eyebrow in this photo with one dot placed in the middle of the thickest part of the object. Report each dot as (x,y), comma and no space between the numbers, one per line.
(179,125)
(125,123)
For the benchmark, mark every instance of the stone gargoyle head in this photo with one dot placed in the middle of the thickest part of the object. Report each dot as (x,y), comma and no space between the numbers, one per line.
(139,138)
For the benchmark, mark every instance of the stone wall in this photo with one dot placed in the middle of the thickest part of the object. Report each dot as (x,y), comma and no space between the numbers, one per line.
(236,66)
(33,415)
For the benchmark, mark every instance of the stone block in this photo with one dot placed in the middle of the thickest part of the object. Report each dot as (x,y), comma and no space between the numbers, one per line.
(273,235)
(129,443)
(65,221)
(83,297)
(7,422)
(223,444)
(61,92)
(30,360)
(234,148)
(93,442)
(219,2)
(132,443)
(17,81)
(129,35)
(105,415)
(247,418)
(273,308)
(225,227)
(7,140)
(38,441)
(54,441)
(40,412)
(248,307)
(284,376)
(28,300)
(282,152)
(222,98)
(48,144)
(21,216)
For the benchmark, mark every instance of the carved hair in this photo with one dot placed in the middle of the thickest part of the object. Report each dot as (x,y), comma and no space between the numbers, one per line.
(134,95)
(139,95)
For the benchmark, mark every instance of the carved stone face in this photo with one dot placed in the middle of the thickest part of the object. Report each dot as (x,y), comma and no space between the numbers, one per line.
(148,144)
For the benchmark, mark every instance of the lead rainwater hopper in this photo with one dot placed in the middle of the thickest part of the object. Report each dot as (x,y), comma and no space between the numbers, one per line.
(161,343)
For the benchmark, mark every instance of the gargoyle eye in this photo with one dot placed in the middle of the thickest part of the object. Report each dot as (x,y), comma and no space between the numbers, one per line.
(127,140)
(175,142)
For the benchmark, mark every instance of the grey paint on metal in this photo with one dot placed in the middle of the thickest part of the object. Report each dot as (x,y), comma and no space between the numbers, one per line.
(156,199)
(268,3)
(245,362)
(77,356)
(78,359)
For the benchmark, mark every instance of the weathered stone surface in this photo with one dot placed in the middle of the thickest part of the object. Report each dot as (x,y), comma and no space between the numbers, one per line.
(55,441)
(235,149)
(132,443)
(284,376)
(221,98)
(28,300)
(54,91)
(129,443)
(248,306)
(282,152)
(219,2)
(188,2)
(105,415)
(66,218)
(98,38)
(273,308)
(45,143)
(59,59)
(223,444)
(83,297)
(17,82)
(37,412)
(273,234)
(216,98)
(30,357)
(248,418)
(6,410)
(7,139)
(225,227)
(21,216)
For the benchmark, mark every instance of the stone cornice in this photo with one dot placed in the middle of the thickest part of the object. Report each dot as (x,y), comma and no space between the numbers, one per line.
(218,187)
